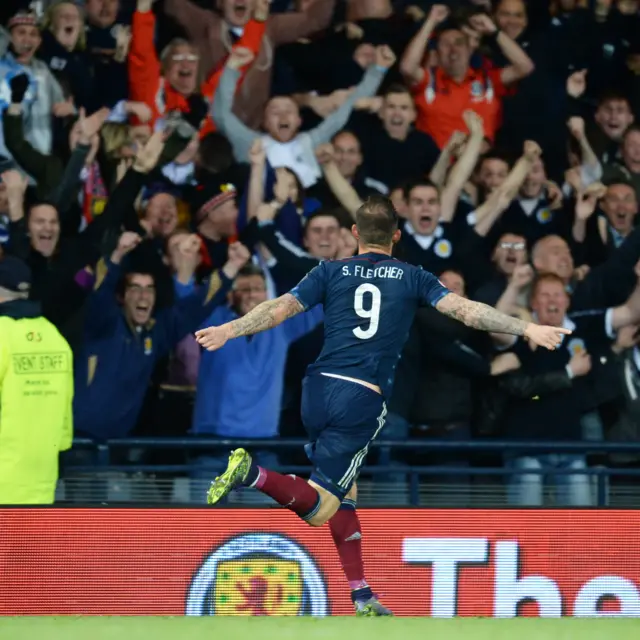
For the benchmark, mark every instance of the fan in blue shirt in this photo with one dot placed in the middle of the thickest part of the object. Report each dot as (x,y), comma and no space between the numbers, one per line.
(369,303)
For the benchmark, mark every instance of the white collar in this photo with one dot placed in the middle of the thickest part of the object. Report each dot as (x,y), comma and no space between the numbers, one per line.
(423,241)
(529,205)
(437,233)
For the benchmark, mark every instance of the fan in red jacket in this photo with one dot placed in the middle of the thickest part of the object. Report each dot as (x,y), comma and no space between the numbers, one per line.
(165,83)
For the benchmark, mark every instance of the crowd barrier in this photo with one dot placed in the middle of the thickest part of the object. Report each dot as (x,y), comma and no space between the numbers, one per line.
(442,563)
(600,474)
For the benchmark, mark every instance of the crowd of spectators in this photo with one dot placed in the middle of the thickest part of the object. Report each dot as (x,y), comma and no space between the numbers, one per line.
(166,165)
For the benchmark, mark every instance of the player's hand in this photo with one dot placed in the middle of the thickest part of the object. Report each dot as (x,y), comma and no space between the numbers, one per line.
(385,56)
(522,276)
(532,150)
(240,57)
(580,364)
(213,338)
(438,14)
(577,83)
(483,24)
(547,337)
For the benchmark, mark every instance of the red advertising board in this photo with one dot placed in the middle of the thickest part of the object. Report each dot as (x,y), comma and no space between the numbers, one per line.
(267,562)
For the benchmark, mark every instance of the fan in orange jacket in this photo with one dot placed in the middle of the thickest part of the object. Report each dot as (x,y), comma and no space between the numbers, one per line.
(166,83)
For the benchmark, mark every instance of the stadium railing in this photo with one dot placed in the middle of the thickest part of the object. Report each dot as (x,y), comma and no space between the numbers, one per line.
(600,474)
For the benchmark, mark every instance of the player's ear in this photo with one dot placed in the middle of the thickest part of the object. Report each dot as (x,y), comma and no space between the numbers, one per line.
(396,236)
(354,231)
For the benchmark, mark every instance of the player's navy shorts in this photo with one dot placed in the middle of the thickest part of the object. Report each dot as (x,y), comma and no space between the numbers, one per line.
(342,418)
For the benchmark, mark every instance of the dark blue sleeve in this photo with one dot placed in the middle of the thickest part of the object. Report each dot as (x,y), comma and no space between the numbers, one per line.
(102,308)
(310,291)
(429,289)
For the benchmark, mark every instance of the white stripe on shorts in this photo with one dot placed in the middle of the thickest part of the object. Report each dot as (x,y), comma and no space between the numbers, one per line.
(356,461)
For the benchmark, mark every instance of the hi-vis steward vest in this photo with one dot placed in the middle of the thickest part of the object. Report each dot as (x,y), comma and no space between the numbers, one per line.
(36,408)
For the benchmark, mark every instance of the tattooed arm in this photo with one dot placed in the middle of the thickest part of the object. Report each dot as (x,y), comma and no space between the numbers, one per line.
(485,318)
(265,316)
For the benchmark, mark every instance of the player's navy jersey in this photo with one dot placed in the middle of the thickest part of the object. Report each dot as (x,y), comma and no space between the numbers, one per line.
(369,303)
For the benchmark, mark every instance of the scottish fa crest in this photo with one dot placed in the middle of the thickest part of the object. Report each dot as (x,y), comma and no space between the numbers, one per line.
(258,575)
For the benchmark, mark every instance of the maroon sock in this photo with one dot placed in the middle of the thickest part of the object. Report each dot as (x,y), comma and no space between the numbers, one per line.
(347,536)
(291,492)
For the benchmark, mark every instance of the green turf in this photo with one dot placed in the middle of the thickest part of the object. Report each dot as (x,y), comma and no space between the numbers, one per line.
(107,628)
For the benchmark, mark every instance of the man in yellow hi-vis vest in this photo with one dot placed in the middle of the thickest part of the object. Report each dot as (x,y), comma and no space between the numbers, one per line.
(36,393)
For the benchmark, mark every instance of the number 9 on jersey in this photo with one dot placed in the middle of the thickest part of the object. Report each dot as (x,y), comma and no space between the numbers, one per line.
(366,304)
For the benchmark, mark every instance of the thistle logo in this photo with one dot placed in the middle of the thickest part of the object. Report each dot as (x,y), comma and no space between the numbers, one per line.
(258,575)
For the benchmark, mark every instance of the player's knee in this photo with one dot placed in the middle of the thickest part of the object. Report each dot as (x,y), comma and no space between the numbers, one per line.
(353,493)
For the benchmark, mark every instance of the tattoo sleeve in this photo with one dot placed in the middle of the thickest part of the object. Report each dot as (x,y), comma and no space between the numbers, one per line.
(480,316)
(266,315)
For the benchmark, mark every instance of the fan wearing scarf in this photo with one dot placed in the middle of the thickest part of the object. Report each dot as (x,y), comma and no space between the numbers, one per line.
(42,95)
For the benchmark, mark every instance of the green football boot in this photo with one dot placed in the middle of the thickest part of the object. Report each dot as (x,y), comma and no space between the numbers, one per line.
(236,473)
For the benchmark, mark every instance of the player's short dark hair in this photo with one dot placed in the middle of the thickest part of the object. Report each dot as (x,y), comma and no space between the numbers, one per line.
(376,221)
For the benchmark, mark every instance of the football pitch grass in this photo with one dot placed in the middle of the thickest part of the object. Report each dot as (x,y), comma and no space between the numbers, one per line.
(217,628)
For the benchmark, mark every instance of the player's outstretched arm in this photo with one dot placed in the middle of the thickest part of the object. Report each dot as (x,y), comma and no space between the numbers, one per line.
(485,318)
(265,316)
